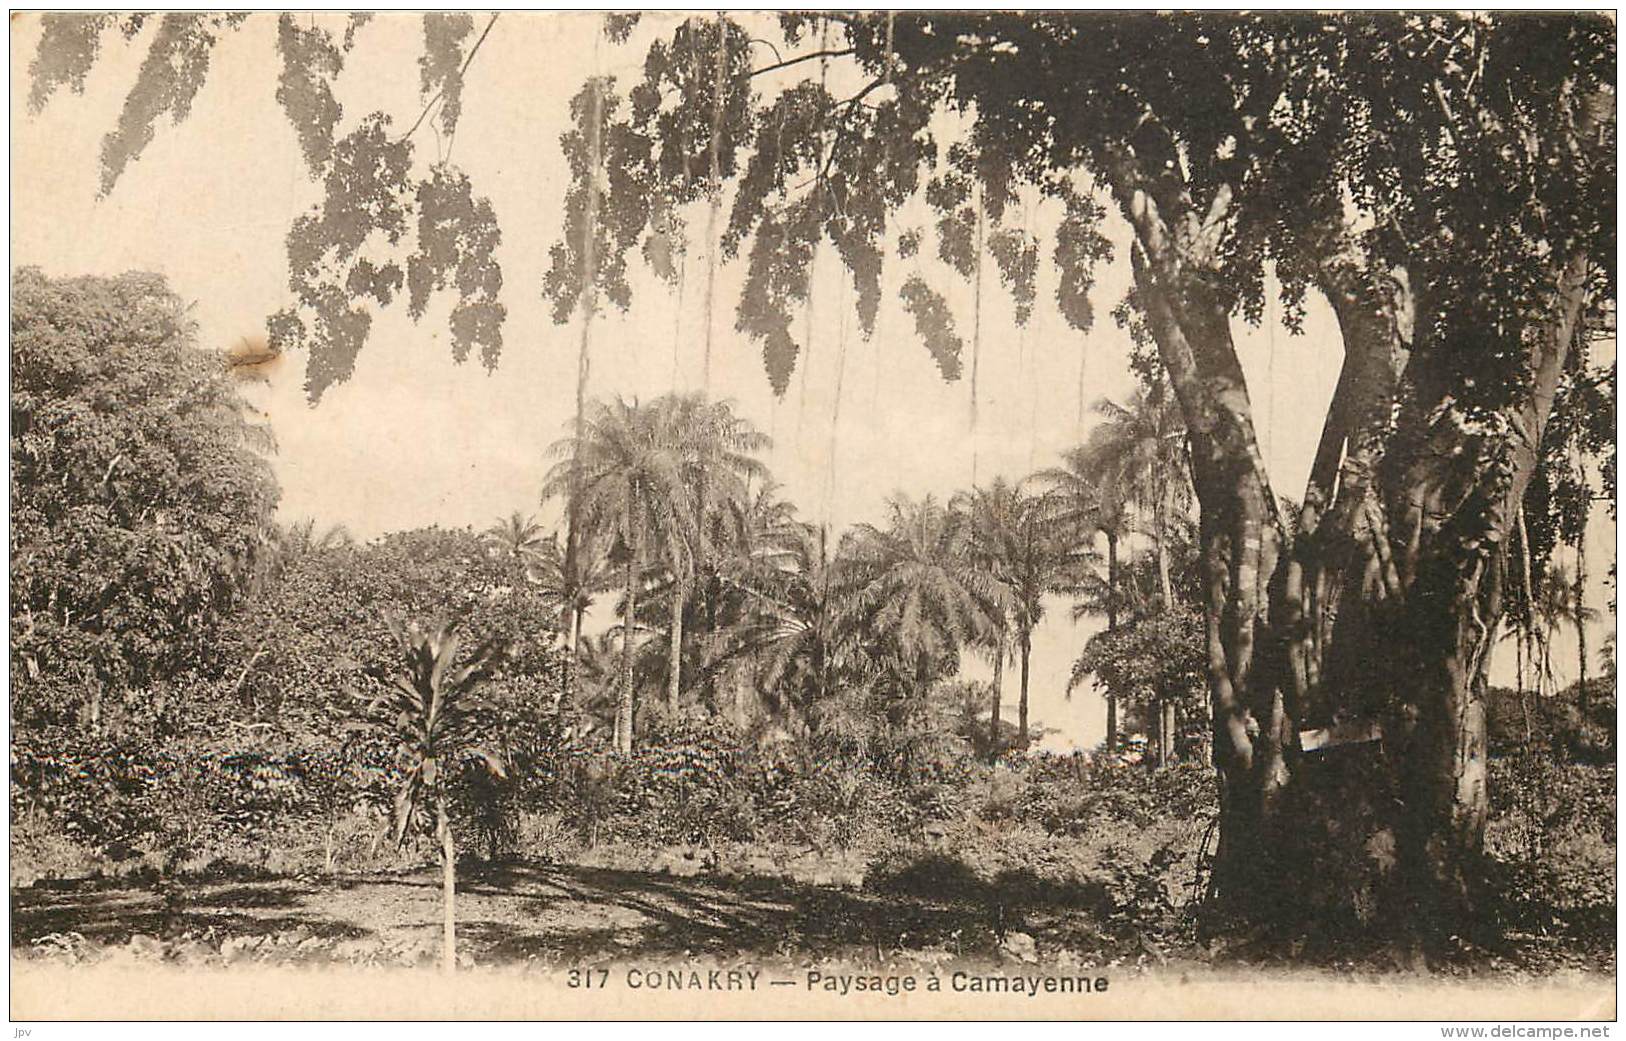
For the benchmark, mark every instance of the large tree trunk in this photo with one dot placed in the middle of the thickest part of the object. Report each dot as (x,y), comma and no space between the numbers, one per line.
(1366,624)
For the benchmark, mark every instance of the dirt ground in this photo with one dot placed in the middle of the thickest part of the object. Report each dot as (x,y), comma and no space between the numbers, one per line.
(508,914)
(523,929)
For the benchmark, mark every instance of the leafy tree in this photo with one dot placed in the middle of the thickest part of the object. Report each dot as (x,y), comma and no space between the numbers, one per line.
(1155,666)
(297,654)
(141,498)
(434,709)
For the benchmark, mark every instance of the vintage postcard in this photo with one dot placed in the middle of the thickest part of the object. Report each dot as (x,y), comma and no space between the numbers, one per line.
(813,515)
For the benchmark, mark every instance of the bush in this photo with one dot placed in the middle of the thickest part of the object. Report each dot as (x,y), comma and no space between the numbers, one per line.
(1552,845)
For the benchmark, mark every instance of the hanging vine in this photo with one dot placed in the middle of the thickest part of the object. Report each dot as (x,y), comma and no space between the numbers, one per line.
(715,189)
(813,263)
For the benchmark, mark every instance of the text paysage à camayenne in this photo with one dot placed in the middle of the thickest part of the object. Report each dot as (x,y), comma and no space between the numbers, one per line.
(841,984)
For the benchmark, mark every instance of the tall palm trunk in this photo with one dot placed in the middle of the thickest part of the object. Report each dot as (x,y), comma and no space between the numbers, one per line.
(1580,612)
(999,680)
(1165,587)
(674,679)
(1112,626)
(1022,704)
(448,888)
(1521,627)
(1165,706)
(835,414)
(1083,360)
(624,710)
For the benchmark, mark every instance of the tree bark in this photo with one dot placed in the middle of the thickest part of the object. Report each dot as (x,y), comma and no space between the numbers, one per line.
(1377,605)
(1521,628)
(1154,723)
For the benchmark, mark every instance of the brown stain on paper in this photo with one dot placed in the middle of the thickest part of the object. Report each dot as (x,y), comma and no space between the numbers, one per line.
(252,358)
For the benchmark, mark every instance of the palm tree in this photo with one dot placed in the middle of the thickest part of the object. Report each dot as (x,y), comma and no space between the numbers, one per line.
(1040,559)
(1084,498)
(914,591)
(1141,448)
(573,592)
(990,515)
(1023,541)
(282,546)
(599,671)
(759,537)
(516,539)
(630,486)
(517,542)
(1553,609)
(717,448)
(433,707)
(793,628)
(1133,463)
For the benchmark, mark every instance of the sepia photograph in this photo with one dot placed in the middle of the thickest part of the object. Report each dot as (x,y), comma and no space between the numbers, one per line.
(813,515)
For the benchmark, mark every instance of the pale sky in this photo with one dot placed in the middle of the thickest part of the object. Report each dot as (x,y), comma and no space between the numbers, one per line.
(414,440)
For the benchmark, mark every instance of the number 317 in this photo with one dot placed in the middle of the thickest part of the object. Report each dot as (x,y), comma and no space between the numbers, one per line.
(589,979)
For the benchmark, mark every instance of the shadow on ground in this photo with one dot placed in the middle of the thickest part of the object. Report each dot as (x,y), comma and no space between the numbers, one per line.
(514,912)
(933,908)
